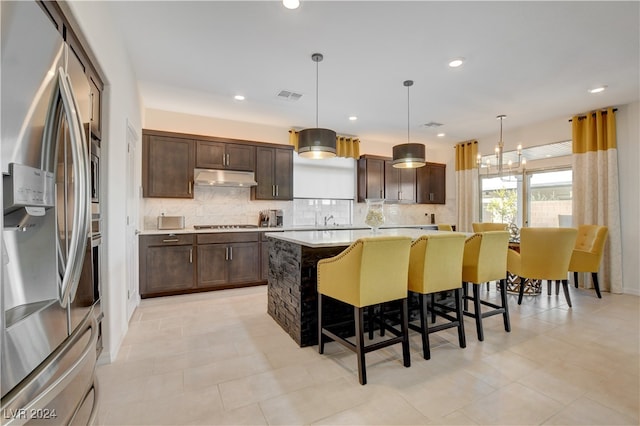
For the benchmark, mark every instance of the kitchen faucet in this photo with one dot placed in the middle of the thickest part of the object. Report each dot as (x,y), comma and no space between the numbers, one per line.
(327,219)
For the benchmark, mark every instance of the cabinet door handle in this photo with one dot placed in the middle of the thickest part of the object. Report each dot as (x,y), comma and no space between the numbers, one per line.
(230,253)
(226,253)
(273,190)
(190,187)
(190,255)
(399,195)
(431,196)
(381,193)
(228,160)
(277,190)
(171,240)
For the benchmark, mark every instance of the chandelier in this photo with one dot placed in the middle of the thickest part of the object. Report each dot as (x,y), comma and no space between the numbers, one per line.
(499,167)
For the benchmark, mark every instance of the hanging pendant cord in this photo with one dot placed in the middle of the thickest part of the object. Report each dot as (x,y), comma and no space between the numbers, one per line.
(408,115)
(317,78)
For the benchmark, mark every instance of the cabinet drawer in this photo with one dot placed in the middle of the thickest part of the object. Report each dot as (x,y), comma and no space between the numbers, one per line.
(166,240)
(227,237)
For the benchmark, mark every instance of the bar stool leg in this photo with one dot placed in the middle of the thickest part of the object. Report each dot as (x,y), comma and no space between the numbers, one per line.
(521,290)
(575,279)
(424,327)
(505,305)
(405,333)
(477,311)
(320,335)
(362,369)
(461,336)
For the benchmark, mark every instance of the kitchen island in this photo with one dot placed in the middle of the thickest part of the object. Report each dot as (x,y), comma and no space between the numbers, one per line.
(292,282)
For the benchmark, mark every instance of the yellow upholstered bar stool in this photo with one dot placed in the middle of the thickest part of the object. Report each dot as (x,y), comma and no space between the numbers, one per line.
(435,265)
(484,260)
(587,253)
(371,271)
(445,227)
(488,226)
(544,255)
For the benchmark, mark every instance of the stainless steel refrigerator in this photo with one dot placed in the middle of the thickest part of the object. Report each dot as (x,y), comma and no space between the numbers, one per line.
(48,321)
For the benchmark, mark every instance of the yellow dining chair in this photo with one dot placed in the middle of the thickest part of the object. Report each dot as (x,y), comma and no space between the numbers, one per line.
(587,253)
(488,226)
(369,272)
(435,265)
(544,255)
(445,227)
(484,260)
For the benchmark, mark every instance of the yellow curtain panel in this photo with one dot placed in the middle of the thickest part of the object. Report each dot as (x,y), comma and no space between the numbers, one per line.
(595,131)
(345,146)
(466,155)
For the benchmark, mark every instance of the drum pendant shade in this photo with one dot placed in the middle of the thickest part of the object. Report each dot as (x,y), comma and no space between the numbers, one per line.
(408,155)
(317,143)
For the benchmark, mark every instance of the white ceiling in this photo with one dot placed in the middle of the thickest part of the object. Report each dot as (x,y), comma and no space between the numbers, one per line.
(532,61)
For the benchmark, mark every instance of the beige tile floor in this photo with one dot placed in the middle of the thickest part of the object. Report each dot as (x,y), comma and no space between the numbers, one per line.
(218,358)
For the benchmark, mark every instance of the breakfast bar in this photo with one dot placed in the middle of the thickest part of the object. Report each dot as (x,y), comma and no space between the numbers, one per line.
(292,285)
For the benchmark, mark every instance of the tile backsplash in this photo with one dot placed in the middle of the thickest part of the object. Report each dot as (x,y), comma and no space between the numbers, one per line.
(227,206)
(213,206)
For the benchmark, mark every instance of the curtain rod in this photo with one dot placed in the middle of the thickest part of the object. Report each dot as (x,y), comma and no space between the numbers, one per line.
(584,116)
(469,142)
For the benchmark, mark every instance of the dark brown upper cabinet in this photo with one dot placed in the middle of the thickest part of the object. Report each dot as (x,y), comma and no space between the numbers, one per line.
(370,177)
(377,178)
(431,184)
(399,184)
(167,166)
(222,155)
(274,174)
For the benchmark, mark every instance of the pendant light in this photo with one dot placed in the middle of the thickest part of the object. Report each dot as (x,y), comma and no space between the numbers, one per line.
(317,143)
(408,155)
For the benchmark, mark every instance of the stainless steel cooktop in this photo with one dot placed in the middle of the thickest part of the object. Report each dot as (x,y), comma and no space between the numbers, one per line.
(224,226)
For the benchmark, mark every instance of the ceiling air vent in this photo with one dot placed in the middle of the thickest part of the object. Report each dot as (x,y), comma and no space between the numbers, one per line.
(288,95)
(432,124)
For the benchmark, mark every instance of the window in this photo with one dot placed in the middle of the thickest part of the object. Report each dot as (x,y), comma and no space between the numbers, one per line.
(548,197)
(538,197)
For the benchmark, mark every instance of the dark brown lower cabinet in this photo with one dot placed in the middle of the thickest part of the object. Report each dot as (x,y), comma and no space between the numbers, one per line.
(228,264)
(166,264)
(228,259)
(186,263)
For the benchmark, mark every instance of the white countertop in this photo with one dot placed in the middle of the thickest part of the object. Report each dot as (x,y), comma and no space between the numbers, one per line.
(344,237)
(273,229)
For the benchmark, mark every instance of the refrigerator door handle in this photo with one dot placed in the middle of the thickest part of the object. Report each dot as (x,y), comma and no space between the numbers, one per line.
(80,230)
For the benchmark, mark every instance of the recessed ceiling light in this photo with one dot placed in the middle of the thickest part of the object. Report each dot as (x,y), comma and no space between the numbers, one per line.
(441,135)
(238,98)
(455,63)
(353,118)
(291,4)
(598,89)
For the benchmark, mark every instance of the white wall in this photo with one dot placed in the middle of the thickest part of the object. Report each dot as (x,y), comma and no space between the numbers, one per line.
(121,104)
(628,132)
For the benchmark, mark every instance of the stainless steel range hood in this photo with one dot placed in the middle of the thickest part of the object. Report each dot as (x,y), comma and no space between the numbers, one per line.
(210,177)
